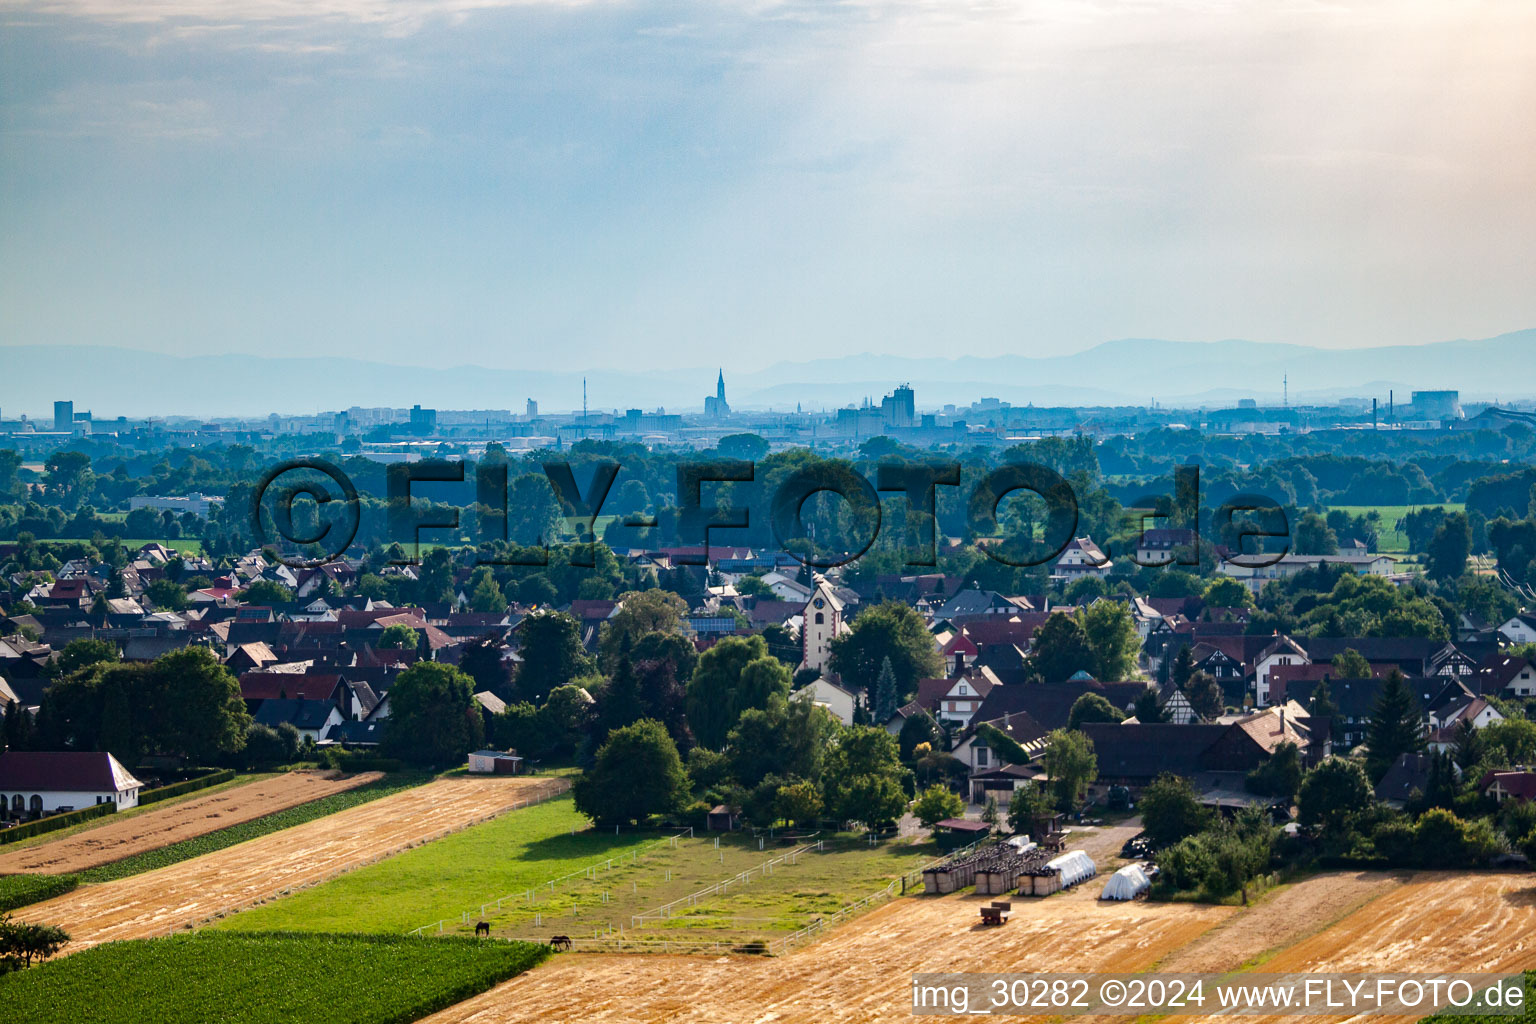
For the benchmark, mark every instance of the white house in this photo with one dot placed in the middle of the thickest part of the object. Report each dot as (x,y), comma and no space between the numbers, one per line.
(823,622)
(35,783)
(786,588)
(1521,629)
(1242,567)
(1284,651)
(1082,557)
(838,701)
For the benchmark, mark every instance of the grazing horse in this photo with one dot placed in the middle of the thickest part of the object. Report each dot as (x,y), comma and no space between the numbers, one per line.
(482,928)
(561,942)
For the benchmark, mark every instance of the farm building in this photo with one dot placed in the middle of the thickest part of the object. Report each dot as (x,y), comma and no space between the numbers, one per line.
(495,762)
(35,783)
(1126,884)
(955,832)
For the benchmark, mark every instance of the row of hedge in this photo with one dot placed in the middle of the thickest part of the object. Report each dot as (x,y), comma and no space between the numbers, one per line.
(150,796)
(54,822)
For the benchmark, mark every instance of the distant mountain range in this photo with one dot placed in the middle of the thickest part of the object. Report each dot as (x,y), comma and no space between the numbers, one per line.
(121,382)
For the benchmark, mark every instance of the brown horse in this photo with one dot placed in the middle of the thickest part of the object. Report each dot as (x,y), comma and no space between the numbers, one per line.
(482,928)
(560,942)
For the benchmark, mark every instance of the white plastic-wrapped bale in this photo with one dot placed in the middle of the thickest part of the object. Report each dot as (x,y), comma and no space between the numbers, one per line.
(1074,867)
(1126,884)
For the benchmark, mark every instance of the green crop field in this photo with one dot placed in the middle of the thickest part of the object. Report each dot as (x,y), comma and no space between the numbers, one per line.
(507,854)
(21,890)
(194,547)
(514,858)
(1391,540)
(261,979)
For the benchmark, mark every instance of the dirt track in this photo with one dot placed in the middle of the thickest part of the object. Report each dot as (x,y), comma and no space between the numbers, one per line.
(158,827)
(196,890)
(861,972)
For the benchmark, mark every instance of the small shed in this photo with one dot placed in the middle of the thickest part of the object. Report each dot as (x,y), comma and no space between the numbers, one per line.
(953,833)
(495,762)
(723,818)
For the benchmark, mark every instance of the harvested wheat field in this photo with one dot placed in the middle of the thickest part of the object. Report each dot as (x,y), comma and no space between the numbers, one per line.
(197,890)
(162,826)
(860,972)
(1280,919)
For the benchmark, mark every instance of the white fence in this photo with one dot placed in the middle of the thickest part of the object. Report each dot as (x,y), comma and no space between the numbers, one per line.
(897,888)
(765,868)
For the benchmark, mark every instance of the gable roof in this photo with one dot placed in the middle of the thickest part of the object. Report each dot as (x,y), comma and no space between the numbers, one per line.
(51,771)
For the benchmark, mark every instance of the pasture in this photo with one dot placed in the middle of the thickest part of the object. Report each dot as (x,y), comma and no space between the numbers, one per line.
(555,874)
(261,979)
(1391,540)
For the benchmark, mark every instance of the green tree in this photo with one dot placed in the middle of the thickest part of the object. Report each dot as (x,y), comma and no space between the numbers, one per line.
(1205,696)
(23,944)
(1070,764)
(1092,707)
(1396,726)
(1226,592)
(1148,711)
(640,612)
(266,592)
(889,630)
(1112,637)
(1351,664)
(1183,667)
(194,706)
(1279,775)
(884,705)
(83,653)
(720,690)
(552,654)
(166,595)
(798,802)
(637,774)
(485,595)
(862,777)
(1510,742)
(398,637)
(1449,549)
(1028,805)
(433,717)
(1061,649)
(935,804)
(1171,810)
(1313,537)
(1333,796)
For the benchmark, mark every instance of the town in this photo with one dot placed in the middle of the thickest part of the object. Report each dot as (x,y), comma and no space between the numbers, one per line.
(1242,667)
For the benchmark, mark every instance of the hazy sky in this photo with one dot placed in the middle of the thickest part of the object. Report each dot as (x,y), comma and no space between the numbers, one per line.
(641,184)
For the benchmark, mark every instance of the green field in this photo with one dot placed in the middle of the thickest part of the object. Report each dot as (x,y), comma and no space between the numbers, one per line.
(21,890)
(1391,540)
(194,546)
(442,878)
(261,979)
(451,879)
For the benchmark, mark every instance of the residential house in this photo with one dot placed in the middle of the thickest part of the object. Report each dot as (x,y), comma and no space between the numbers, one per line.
(1081,557)
(35,783)
(839,701)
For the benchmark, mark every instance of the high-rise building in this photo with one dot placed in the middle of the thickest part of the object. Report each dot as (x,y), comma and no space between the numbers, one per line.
(533,409)
(64,417)
(423,421)
(899,408)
